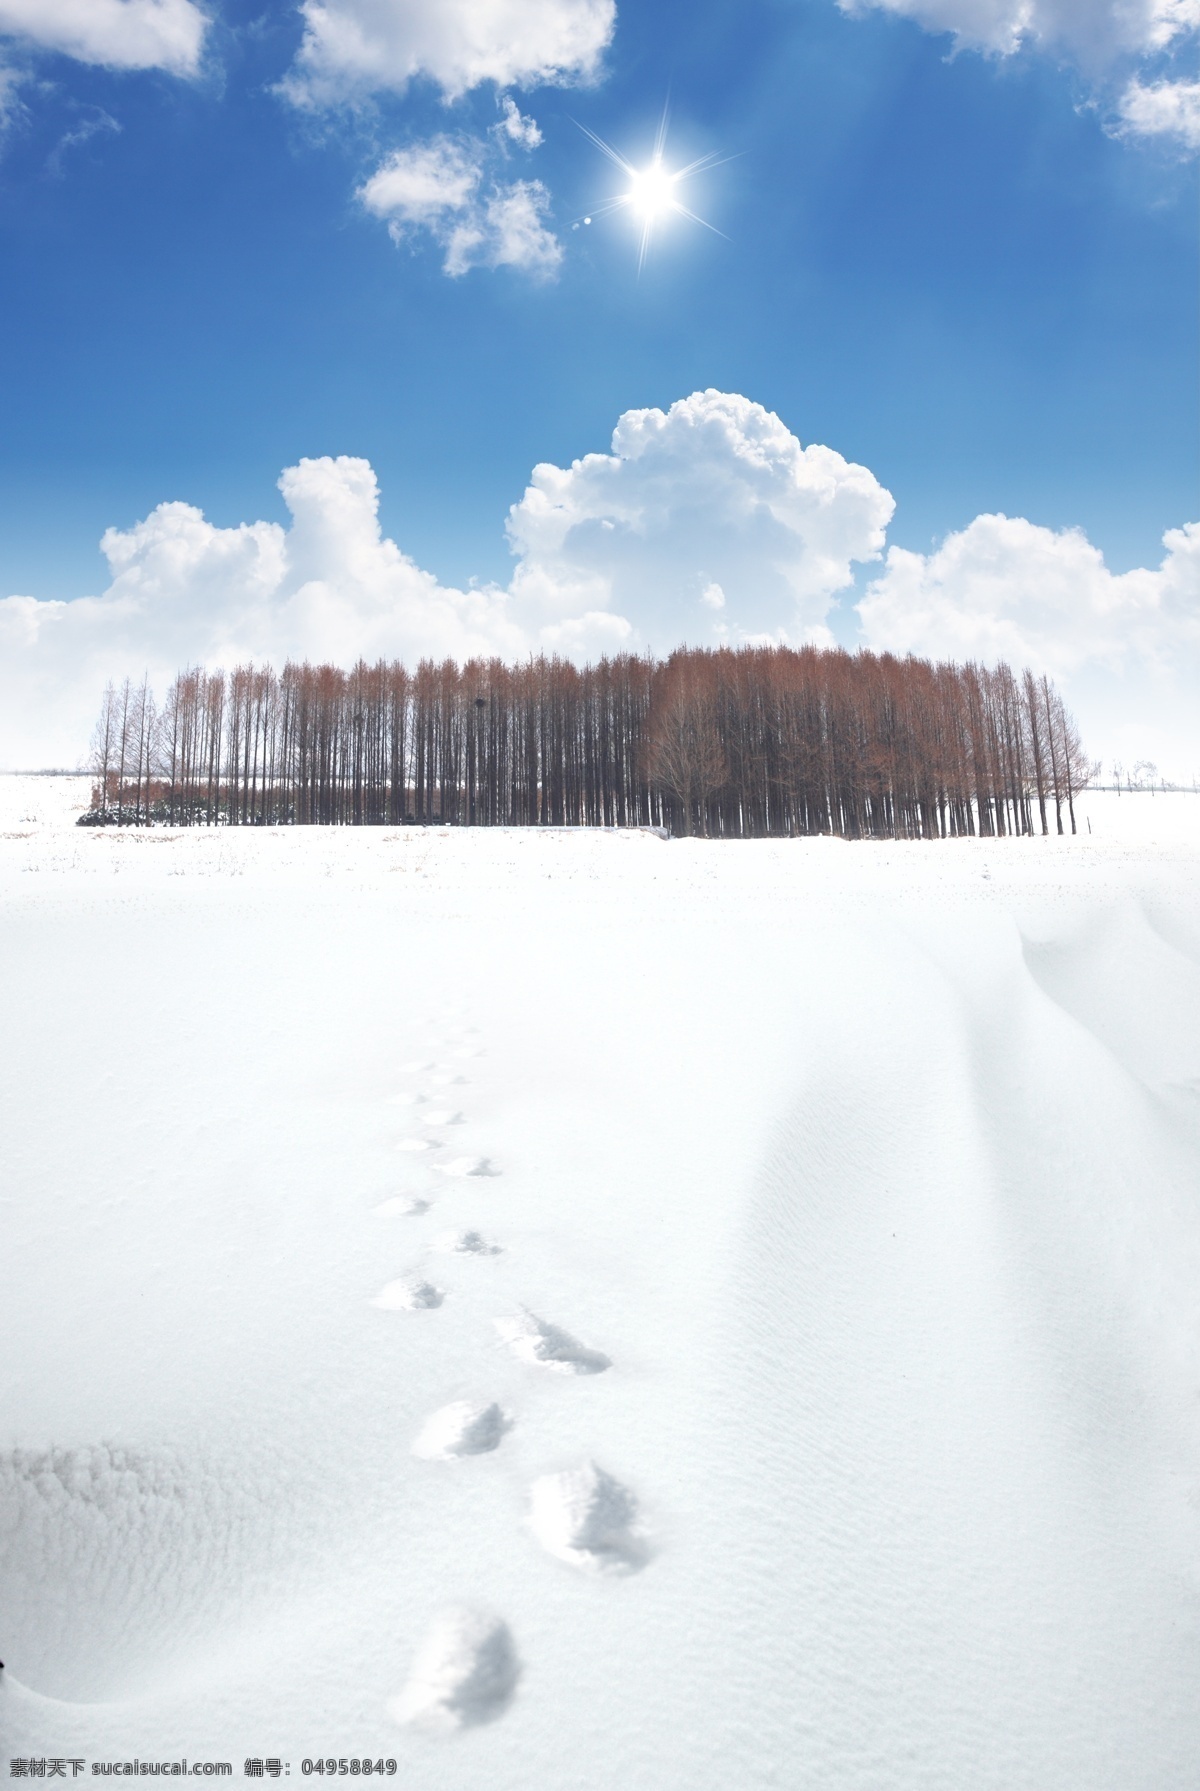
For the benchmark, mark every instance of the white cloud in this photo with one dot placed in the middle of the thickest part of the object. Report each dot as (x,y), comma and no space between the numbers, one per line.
(708,522)
(714,492)
(184,591)
(417,187)
(1163,109)
(1125,47)
(125,34)
(516,127)
(1126,645)
(96,123)
(507,231)
(1090,32)
(439,187)
(589,636)
(1004,588)
(616,551)
(12,106)
(354,47)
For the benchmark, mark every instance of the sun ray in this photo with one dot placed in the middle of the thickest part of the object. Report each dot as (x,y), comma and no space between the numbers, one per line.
(605,206)
(652,187)
(660,140)
(697,219)
(644,245)
(608,150)
(714,159)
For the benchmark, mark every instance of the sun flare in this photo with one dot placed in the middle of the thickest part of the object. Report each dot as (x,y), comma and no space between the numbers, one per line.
(652,190)
(651,194)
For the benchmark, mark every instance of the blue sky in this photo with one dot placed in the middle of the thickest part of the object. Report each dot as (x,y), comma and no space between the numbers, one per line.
(972,273)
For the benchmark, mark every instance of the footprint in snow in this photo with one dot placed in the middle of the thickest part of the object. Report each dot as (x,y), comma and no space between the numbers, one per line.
(401,1206)
(533,1340)
(442,1116)
(587,1518)
(447,1079)
(418,1144)
(466,1166)
(408,1295)
(467,1243)
(465,1673)
(462,1429)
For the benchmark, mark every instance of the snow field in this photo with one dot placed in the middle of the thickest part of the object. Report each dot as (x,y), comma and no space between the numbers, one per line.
(873,1181)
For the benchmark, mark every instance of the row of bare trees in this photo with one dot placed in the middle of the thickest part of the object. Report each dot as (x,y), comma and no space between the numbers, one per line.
(757,741)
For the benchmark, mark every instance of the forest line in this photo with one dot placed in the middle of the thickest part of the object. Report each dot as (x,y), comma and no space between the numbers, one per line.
(745,742)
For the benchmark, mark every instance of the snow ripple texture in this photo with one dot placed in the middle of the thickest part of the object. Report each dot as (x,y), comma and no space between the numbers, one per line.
(113,1558)
(465,1674)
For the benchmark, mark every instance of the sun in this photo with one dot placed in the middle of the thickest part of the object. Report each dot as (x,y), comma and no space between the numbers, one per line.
(652,190)
(651,194)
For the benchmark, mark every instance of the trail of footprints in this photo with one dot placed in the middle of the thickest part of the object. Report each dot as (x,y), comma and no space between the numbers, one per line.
(467,1669)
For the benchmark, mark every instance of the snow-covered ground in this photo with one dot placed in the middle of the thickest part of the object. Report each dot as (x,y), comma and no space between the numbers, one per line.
(579,1311)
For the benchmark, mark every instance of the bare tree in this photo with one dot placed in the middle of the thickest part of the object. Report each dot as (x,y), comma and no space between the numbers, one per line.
(684,752)
(755,741)
(1038,742)
(103,760)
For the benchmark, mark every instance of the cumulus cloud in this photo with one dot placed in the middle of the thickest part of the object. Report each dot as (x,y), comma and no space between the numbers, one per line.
(440,187)
(716,493)
(708,522)
(125,34)
(355,47)
(182,591)
(705,522)
(1004,588)
(1125,645)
